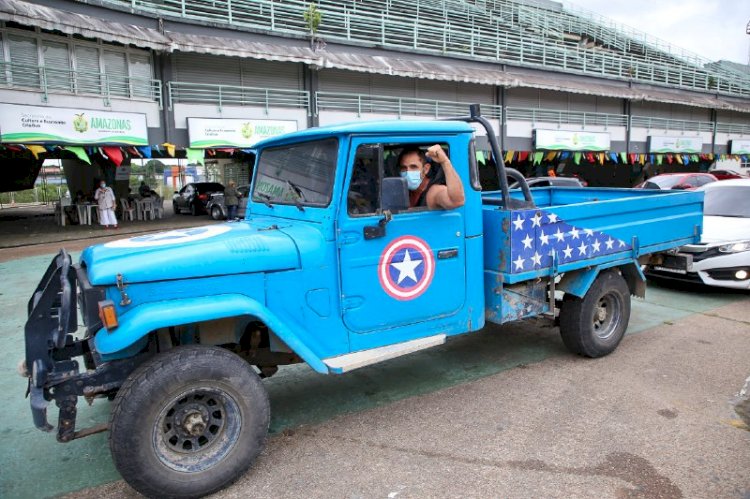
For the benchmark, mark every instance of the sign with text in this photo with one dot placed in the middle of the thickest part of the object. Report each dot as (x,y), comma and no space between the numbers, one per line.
(739,146)
(207,132)
(566,140)
(70,126)
(692,145)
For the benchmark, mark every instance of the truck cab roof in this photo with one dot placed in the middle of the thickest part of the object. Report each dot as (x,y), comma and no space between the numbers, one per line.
(389,127)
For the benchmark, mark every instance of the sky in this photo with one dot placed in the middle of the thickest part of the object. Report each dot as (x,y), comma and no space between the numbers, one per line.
(714,29)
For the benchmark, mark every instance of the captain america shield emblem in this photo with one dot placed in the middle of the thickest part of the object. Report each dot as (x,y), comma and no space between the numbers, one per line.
(406,268)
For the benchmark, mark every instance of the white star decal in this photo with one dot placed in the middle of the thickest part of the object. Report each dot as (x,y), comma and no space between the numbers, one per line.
(519,263)
(559,235)
(596,245)
(518,222)
(544,238)
(622,244)
(588,232)
(527,242)
(536,220)
(406,268)
(609,243)
(582,249)
(568,251)
(574,233)
(552,218)
(537,259)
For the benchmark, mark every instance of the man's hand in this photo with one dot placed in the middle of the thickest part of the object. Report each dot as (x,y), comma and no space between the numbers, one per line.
(437,154)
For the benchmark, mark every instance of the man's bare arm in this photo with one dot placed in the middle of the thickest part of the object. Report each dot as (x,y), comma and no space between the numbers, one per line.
(450,195)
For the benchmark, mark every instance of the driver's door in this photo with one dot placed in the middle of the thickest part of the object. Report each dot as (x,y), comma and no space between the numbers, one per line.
(415,272)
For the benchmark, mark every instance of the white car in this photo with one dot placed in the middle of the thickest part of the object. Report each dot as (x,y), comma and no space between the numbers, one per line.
(722,258)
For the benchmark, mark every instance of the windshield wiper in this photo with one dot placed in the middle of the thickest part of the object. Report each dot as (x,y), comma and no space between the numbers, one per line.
(300,196)
(266,199)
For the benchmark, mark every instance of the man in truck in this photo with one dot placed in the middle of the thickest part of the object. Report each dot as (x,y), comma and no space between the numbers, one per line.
(436,191)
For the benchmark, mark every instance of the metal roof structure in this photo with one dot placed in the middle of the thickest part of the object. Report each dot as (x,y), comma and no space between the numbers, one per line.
(353,59)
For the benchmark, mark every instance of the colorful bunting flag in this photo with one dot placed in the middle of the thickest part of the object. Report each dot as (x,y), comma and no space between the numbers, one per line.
(195,156)
(78,151)
(114,154)
(36,150)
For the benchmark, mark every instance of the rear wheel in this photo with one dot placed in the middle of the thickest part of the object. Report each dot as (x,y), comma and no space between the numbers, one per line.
(595,324)
(216,213)
(188,422)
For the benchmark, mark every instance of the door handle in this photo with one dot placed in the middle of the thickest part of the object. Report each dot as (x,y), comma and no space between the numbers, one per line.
(449,253)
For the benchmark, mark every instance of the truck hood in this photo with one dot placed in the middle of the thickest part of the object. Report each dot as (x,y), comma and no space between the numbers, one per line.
(230,248)
(725,229)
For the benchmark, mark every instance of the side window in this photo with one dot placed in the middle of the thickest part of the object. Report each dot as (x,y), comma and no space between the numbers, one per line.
(363,197)
(692,181)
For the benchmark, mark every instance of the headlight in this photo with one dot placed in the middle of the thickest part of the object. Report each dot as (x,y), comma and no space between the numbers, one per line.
(735,247)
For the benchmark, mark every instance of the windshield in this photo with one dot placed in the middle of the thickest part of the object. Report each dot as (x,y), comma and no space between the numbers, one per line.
(299,174)
(727,202)
(665,182)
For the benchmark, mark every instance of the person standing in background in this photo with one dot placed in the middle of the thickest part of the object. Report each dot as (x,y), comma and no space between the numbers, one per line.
(106,200)
(231,200)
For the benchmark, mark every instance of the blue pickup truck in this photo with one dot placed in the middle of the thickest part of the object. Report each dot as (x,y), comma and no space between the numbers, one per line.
(332,268)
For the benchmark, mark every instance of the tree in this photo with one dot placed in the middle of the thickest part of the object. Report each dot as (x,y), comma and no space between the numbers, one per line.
(313,17)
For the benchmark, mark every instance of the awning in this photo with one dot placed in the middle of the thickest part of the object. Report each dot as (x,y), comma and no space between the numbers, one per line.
(341,57)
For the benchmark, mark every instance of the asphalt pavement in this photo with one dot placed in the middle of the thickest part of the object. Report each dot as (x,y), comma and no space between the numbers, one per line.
(506,412)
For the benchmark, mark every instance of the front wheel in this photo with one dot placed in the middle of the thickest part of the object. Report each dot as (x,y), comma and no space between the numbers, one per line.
(594,325)
(188,422)
(175,208)
(193,209)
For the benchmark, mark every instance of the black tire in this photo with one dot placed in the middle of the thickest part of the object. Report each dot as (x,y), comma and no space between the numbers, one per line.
(594,325)
(175,208)
(193,209)
(216,213)
(188,422)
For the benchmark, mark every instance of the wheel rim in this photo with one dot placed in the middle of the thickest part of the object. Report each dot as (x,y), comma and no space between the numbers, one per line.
(607,315)
(216,213)
(196,429)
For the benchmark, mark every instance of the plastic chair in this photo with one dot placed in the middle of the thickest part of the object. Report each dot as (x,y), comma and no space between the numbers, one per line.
(157,205)
(147,209)
(127,210)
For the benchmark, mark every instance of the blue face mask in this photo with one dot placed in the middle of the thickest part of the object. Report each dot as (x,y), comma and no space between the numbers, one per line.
(413,179)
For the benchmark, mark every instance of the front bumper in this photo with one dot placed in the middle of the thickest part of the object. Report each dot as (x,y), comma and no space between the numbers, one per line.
(51,352)
(709,267)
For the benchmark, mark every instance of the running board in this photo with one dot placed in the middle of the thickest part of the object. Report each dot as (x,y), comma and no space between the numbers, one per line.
(351,361)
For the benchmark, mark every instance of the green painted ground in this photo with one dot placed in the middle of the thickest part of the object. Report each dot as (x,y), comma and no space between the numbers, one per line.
(33,464)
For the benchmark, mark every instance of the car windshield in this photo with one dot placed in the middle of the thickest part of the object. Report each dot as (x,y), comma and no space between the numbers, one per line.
(665,182)
(727,201)
(300,174)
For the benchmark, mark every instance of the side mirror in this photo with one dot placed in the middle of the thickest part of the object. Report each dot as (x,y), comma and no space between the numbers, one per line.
(394,194)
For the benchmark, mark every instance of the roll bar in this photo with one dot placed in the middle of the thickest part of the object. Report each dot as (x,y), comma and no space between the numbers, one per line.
(475,116)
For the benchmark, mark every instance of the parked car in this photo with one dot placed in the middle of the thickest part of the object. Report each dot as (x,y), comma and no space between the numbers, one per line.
(218,211)
(725,174)
(722,258)
(550,181)
(687,181)
(194,196)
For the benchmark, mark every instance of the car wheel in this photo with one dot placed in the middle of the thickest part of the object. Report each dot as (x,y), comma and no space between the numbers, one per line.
(175,208)
(216,213)
(594,325)
(193,209)
(188,422)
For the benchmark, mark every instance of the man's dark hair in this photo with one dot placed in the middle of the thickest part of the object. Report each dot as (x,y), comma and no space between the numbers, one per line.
(410,150)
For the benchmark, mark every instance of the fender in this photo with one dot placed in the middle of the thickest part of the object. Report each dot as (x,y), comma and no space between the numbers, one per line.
(155,315)
(577,283)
